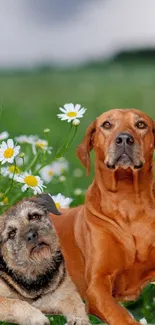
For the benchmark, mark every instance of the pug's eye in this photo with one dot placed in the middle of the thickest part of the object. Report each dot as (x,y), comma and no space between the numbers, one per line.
(141,125)
(12,233)
(106,125)
(34,216)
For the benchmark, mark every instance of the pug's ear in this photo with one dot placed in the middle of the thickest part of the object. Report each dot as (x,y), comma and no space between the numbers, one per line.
(46,201)
(83,150)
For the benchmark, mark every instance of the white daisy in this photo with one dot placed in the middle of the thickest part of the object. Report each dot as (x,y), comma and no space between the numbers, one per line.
(60,166)
(56,168)
(71,112)
(4,135)
(26,139)
(8,151)
(11,171)
(42,144)
(61,201)
(47,173)
(31,181)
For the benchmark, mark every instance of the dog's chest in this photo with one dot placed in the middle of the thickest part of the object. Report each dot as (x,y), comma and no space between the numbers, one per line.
(141,271)
(143,233)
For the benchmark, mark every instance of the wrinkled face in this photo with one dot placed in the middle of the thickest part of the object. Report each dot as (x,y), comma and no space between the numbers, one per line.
(28,239)
(120,138)
(125,137)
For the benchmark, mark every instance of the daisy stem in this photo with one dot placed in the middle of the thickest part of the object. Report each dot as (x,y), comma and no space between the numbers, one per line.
(38,170)
(43,164)
(11,184)
(23,162)
(72,138)
(33,162)
(64,143)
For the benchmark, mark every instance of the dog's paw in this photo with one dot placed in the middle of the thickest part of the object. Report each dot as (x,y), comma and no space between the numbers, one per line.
(78,321)
(38,318)
(30,315)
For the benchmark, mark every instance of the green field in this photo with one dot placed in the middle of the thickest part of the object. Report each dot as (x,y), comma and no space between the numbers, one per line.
(29,102)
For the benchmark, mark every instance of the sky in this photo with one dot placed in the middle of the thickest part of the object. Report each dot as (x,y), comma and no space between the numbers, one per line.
(72,31)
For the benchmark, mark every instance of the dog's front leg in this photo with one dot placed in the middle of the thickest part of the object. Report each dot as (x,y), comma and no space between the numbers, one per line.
(20,312)
(101,303)
(66,301)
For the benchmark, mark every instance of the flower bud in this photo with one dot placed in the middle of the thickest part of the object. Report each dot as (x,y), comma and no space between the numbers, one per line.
(22,155)
(76,122)
(62,178)
(46,131)
(78,191)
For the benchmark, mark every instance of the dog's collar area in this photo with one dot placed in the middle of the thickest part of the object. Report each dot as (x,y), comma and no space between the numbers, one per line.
(35,288)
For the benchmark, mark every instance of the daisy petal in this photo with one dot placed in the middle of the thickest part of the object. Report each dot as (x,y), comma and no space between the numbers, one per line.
(24,187)
(69,107)
(10,143)
(4,145)
(62,110)
(77,107)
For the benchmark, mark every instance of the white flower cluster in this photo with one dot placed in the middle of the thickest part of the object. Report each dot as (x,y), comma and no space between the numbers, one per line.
(56,168)
(14,162)
(36,143)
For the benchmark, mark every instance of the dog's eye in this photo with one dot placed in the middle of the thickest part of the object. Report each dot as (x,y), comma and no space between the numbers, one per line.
(12,233)
(141,125)
(106,125)
(34,216)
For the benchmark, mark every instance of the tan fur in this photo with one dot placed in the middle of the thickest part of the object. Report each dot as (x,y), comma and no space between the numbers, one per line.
(109,241)
(30,249)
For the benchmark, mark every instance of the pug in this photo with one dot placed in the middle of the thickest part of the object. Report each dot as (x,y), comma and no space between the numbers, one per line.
(33,277)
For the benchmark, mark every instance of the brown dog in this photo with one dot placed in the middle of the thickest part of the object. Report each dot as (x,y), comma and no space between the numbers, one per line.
(109,242)
(33,276)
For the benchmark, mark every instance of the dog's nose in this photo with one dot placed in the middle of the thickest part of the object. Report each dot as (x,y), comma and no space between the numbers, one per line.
(32,236)
(124,139)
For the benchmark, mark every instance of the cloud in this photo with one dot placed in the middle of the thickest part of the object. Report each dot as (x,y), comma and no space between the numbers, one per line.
(55,11)
(100,29)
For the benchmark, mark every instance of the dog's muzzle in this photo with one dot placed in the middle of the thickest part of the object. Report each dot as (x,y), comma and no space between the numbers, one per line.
(32,236)
(124,140)
(124,152)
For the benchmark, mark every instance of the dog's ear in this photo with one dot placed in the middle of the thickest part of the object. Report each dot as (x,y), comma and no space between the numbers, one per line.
(46,201)
(1,228)
(154,132)
(83,150)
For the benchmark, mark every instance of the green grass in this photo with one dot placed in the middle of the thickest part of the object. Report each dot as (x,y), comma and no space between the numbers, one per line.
(29,103)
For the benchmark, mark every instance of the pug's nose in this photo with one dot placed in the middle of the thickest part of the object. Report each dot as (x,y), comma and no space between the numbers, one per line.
(124,139)
(32,236)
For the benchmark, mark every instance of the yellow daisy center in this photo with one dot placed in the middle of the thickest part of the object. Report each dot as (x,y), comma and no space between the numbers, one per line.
(41,144)
(8,153)
(31,180)
(58,205)
(5,200)
(50,173)
(14,169)
(71,114)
